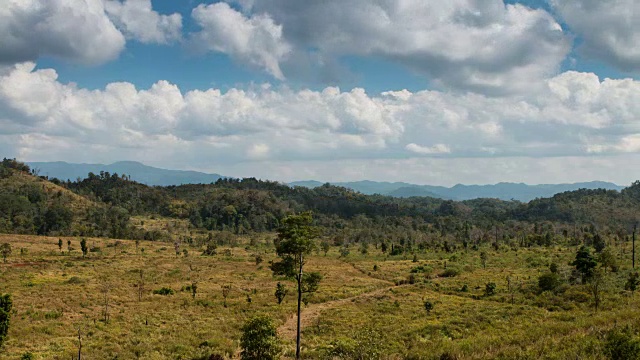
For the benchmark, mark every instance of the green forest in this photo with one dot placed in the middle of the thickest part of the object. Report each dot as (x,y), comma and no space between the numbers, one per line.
(245,206)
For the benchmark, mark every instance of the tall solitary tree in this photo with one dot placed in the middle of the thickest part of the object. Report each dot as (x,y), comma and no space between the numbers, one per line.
(295,241)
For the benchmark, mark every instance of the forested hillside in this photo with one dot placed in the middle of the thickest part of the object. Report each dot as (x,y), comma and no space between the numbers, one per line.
(101,205)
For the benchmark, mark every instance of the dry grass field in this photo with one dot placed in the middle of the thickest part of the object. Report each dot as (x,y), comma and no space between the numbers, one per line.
(371,302)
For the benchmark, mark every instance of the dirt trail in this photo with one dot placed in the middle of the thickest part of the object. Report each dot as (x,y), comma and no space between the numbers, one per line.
(313,311)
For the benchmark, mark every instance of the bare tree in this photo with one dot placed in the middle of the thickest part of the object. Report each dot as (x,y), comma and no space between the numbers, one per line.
(140,285)
(596,287)
(105,287)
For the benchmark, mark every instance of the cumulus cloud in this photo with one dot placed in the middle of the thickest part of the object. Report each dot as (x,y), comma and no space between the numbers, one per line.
(480,45)
(256,40)
(139,21)
(428,150)
(76,30)
(576,114)
(610,29)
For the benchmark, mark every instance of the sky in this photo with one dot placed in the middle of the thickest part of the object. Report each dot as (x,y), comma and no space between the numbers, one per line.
(423,91)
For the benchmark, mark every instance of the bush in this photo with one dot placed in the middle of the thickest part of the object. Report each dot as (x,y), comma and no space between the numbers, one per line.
(428,305)
(211,250)
(259,339)
(490,289)
(422,269)
(74,280)
(620,344)
(548,282)
(163,291)
(450,272)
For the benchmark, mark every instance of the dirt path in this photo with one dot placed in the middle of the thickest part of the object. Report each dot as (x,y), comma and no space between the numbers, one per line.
(312,312)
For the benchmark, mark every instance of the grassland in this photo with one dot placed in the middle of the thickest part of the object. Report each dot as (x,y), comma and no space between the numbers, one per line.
(370,303)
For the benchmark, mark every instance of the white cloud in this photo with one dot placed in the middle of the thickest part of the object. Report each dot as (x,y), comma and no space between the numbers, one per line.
(256,40)
(479,45)
(75,30)
(258,151)
(610,29)
(138,20)
(575,115)
(425,150)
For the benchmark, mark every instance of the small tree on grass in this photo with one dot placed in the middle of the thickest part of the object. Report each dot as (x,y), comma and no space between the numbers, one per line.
(5,316)
(548,281)
(281,292)
(5,250)
(608,260)
(428,305)
(259,339)
(176,247)
(140,285)
(105,287)
(294,242)
(483,259)
(226,289)
(490,289)
(325,247)
(585,263)
(193,274)
(596,287)
(60,245)
(632,282)
(83,247)
(69,246)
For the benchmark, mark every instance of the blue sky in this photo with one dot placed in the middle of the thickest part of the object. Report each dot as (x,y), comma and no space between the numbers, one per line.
(463,91)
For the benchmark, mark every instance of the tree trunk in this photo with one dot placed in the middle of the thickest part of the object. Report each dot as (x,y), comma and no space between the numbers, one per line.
(299,306)
(633,248)
(79,345)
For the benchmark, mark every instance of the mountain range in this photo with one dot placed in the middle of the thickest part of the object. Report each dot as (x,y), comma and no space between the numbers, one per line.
(139,172)
(156,176)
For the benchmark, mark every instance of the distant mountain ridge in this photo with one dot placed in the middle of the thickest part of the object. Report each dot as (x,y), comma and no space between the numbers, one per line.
(156,176)
(504,191)
(139,172)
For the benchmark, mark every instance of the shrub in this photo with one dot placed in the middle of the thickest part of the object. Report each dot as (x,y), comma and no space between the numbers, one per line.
(450,272)
(421,269)
(259,339)
(549,281)
(620,344)
(490,289)
(212,249)
(428,305)
(74,280)
(163,291)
